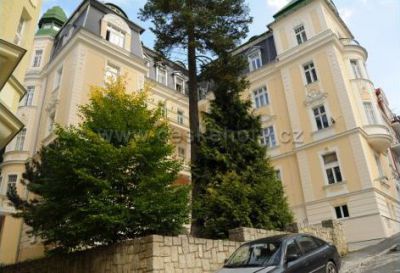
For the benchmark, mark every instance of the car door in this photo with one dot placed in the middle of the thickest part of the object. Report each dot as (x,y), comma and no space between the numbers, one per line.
(313,254)
(297,266)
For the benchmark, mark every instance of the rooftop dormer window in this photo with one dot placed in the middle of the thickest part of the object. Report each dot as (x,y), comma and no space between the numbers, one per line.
(255,61)
(161,75)
(115,36)
(301,35)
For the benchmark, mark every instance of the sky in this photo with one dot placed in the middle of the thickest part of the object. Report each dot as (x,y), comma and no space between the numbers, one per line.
(374,23)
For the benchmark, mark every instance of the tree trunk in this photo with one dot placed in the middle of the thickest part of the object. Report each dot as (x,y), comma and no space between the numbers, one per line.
(193,111)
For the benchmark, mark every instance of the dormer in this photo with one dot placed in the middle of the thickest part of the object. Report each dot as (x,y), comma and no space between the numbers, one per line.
(302,20)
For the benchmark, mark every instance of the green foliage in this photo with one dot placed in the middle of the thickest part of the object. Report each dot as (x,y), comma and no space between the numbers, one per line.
(238,183)
(110,178)
(216,24)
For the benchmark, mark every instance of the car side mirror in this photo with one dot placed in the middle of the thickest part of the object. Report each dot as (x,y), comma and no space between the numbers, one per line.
(291,257)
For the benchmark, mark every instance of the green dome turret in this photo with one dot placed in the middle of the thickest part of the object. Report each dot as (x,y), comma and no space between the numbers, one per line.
(51,21)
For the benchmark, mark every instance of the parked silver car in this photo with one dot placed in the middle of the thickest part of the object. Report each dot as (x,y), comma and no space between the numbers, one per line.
(290,253)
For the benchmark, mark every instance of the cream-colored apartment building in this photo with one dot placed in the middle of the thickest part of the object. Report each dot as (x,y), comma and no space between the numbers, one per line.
(18,20)
(333,146)
(96,42)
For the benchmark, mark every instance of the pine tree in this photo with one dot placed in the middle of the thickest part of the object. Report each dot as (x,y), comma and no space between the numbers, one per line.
(199,27)
(238,186)
(110,178)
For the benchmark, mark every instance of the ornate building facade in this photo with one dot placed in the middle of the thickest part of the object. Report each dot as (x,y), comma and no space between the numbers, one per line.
(333,142)
(96,42)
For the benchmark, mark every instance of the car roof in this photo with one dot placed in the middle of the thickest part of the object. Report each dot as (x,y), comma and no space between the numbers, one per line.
(277,238)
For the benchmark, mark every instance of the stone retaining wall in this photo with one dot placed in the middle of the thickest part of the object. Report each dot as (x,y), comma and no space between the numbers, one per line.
(164,254)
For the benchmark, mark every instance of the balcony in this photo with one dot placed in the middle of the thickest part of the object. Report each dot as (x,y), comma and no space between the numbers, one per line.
(353,44)
(379,137)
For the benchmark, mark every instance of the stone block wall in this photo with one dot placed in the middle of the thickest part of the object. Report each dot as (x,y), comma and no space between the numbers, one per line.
(165,254)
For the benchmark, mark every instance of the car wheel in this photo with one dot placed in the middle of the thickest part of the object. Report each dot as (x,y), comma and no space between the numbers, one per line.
(330,267)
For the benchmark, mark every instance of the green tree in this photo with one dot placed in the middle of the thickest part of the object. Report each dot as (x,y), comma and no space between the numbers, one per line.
(238,186)
(200,27)
(109,179)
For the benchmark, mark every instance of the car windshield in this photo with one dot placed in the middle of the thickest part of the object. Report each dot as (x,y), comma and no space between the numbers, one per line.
(255,255)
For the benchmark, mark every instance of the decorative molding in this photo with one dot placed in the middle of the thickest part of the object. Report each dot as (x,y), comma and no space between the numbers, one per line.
(315,97)
(116,21)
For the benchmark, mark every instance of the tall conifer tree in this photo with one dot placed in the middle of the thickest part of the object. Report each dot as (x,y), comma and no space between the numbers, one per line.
(199,27)
(238,185)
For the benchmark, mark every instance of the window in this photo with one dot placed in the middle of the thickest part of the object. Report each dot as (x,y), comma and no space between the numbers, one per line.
(20,31)
(307,244)
(369,111)
(12,182)
(293,249)
(164,110)
(19,144)
(111,72)
(260,97)
(57,78)
(356,69)
(30,91)
(180,117)
(321,118)
(255,61)
(332,168)
(162,75)
(342,212)
(379,165)
(310,73)
(268,137)
(278,175)
(179,85)
(37,59)
(181,152)
(301,35)
(115,36)
(51,122)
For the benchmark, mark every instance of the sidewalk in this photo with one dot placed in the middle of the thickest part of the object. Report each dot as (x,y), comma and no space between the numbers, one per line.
(372,257)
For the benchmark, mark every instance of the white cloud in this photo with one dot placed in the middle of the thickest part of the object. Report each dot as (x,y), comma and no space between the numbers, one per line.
(346,14)
(277,4)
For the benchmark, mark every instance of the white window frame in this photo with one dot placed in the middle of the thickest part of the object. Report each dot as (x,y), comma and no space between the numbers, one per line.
(20,140)
(28,98)
(37,58)
(260,97)
(58,77)
(179,78)
(341,216)
(356,68)
(301,34)
(381,171)
(181,152)
(158,73)
(20,31)
(310,69)
(115,35)
(370,112)
(11,183)
(320,116)
(268,139)
(255,60)
(180,116)
(111,72)
(331,166)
